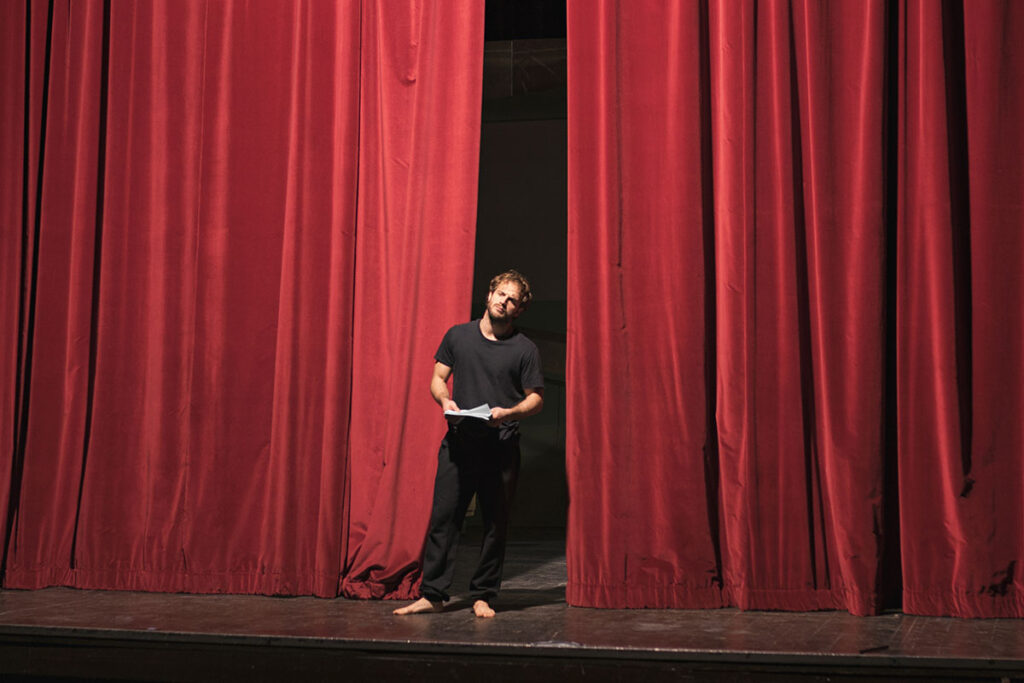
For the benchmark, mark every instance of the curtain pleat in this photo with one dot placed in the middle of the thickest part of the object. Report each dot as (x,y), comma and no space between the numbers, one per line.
(961,308)
(16,109)
(636,386)
(420,114)
(799,349)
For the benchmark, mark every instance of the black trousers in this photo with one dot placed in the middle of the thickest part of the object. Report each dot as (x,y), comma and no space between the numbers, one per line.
(470,462)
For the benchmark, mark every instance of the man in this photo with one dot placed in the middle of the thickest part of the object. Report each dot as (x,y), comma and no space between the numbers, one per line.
(494,364)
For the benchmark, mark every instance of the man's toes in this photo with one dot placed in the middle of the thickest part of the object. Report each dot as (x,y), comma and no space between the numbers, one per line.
(482,609)
(421,605)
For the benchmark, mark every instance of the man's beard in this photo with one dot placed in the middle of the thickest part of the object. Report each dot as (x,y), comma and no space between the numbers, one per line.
(499,316)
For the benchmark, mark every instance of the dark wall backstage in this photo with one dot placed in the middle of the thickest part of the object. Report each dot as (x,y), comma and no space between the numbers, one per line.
(521,220)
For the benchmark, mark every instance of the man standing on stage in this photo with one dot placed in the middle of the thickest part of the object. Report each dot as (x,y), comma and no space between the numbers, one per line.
(493,363)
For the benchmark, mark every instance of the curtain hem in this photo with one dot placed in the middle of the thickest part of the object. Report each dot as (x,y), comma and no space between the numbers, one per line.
(241,583)
(952,603)
(687,597)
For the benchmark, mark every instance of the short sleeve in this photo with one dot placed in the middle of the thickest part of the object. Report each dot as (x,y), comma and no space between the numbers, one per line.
(445,352)
(531,374)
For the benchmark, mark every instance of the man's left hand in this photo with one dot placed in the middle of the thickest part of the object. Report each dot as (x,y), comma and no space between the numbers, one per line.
(498,416)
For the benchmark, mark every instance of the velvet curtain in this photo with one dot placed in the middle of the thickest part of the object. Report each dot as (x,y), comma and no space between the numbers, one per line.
(233,233)
(790,222)
(960,320)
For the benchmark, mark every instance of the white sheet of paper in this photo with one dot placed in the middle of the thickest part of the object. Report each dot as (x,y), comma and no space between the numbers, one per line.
(481,412)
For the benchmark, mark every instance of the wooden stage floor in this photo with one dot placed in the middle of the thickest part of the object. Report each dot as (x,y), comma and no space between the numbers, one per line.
(64,634)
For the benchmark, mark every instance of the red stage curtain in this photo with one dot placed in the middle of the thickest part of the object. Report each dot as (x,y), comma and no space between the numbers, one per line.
(735,172)
(252,223)
(725,306)
(961,307)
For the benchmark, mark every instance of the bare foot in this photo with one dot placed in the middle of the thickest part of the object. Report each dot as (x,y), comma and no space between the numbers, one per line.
(482,609)
(421,605)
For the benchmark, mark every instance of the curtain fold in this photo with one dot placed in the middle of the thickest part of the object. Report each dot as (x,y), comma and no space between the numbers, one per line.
(721,272)
(420,108)
(16,109)
(799,231)
(961,303)
(220,192)
(752,186)
(636,398)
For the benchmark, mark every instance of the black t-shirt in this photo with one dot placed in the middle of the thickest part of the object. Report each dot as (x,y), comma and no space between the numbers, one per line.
(493,372)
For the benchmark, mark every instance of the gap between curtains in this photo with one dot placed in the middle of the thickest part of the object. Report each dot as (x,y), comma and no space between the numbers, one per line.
(233,232)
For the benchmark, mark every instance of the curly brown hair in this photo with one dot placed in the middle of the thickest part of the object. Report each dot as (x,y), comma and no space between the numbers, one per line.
(518,278)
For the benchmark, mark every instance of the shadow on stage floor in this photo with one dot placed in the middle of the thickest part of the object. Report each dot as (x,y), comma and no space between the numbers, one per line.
(64,634)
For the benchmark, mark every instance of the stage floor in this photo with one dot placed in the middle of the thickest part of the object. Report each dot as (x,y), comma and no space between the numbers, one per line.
(65,633)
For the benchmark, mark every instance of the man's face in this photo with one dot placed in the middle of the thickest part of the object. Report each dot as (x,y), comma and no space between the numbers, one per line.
(504,303)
